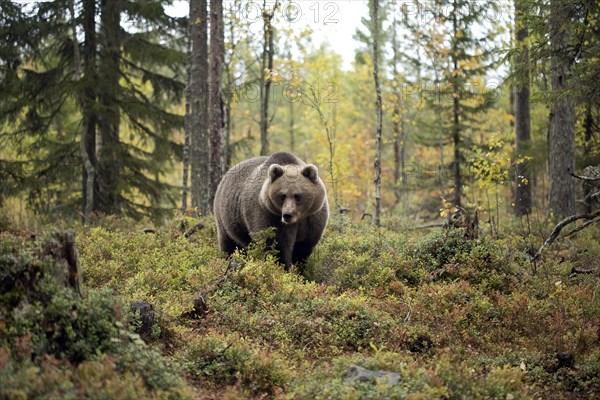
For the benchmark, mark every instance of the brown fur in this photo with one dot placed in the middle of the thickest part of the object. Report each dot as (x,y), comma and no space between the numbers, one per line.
(250,199)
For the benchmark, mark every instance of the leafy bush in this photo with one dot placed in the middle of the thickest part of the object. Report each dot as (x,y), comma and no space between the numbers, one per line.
(226,361)
(454,318)
(161,269)
(56,344)
(445,377)
(264,301)
(353,260)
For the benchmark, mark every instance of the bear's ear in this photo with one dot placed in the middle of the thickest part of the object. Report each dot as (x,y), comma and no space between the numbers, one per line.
(311,172)
(275,171)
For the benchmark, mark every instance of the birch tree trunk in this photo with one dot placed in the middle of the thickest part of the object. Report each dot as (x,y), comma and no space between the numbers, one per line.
(87,140)
(265,76)
(375,21)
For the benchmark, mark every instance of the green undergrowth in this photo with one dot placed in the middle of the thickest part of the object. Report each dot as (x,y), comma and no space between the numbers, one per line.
(455,318)
(55,343)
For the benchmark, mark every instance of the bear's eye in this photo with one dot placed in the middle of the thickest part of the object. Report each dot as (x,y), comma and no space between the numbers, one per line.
(282,197)
(297,197)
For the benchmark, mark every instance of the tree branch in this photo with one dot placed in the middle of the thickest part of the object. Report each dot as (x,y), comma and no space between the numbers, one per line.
(575,230)
(593,217)
(586,178)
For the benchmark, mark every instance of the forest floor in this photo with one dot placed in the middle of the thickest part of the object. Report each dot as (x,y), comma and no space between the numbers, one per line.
(436,314)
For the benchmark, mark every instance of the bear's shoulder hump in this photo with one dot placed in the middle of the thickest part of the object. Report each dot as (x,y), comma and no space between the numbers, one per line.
(283,158)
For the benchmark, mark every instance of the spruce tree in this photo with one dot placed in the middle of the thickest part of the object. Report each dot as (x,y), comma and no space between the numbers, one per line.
(106,100)
(565,35)
(458,45)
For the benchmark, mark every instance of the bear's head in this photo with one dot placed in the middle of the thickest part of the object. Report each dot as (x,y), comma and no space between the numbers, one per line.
(293,192)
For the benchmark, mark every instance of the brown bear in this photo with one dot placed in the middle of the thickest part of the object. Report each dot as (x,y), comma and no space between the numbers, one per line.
(279,191)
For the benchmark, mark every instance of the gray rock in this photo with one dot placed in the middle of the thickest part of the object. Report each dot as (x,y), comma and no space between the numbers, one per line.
(360,374)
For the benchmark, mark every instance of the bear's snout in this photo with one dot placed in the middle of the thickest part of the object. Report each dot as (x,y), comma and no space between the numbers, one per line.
(287,218)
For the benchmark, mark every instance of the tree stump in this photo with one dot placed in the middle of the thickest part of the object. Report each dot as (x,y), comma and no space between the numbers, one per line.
(61,246)
(146,315)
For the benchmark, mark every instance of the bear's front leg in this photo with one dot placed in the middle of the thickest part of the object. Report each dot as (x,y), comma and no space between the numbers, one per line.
(226,244)
(286,237)
(302,250)
(308,235)
(286,258)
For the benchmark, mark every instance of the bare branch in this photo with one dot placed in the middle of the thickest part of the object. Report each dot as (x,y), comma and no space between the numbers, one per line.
(576,270)
(586,178)
(592,195)
(593,217)
(200,302)
(429,226)
(575,230)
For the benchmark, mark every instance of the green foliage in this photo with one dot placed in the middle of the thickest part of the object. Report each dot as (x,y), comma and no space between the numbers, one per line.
(98,379)
(445,377)
(56,98)
(263,244)
(346,258)
(227,361)
(66,327)
(56,344)
(448,255)
(455,318)
(278,307)
(440,248)
(162,269)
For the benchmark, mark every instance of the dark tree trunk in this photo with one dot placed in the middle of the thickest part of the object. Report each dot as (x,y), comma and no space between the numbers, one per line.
(588,126)
(215,96)
(229,123)
(377,165)
(228,128)
(186,150)
(522,116)
(561,158)
(198,100)
(109,153)
(187,128)
(61,246)
(186,168)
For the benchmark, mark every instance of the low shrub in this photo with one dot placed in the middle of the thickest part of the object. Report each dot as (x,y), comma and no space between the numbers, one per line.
(221,361)
(55,343)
